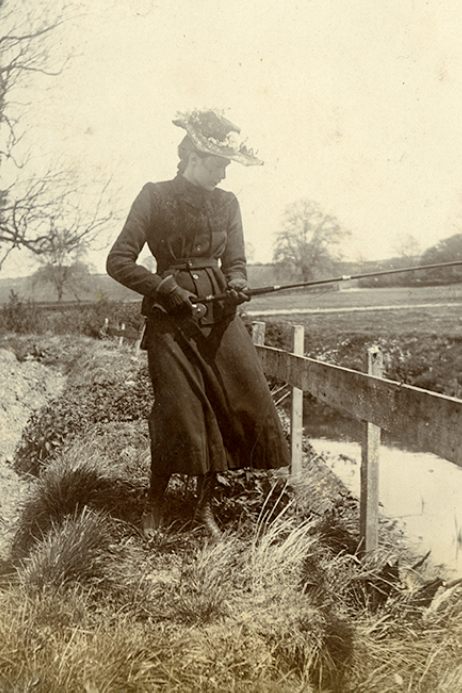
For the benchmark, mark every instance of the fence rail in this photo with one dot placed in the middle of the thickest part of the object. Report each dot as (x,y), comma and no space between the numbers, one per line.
(431,420)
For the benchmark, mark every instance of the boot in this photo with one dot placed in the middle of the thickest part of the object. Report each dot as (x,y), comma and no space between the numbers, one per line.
(204,513)
(152,517)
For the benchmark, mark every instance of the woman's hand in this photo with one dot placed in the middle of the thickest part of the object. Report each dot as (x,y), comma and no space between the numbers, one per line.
(235,292)
(176,301)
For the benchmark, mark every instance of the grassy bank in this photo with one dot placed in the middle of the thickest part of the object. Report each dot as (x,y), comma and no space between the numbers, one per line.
(282,604)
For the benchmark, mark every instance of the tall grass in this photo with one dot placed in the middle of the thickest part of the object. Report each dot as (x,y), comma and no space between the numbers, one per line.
(68,486)
(282,603)
(93,606)
(78,551)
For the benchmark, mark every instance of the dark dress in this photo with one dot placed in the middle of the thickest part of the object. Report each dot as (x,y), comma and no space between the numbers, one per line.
(213,410)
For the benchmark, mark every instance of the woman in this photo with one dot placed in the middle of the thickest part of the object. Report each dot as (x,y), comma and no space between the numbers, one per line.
(213,410)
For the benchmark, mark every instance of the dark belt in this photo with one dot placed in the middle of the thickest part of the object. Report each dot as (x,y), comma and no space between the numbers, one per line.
(186,263)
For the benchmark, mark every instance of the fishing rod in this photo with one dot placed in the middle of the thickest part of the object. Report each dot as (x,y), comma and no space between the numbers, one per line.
(200,308)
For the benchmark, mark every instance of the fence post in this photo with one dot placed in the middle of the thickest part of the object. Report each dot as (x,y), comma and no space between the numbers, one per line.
(121,338)
(369,499)
(258,333)
(296,419)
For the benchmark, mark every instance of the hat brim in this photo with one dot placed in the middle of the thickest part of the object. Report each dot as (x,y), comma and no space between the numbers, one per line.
(214,147)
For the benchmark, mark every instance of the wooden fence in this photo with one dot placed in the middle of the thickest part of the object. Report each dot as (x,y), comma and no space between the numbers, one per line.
(431,420)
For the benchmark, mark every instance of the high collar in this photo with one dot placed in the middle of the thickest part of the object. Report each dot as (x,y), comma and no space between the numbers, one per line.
(194,194)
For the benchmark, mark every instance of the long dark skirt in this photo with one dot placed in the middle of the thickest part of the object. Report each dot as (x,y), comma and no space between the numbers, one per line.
(213,409)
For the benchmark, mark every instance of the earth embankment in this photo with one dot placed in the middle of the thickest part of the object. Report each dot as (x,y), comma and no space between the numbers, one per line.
(27,385)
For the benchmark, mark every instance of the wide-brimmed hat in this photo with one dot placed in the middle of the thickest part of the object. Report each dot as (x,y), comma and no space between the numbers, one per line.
(212,133)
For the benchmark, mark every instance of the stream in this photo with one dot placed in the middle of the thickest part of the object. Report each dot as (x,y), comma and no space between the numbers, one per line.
(419,490)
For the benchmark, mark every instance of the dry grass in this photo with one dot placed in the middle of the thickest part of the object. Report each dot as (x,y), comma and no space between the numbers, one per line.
(80,550)
(83,477)
(282,604)
(94,607)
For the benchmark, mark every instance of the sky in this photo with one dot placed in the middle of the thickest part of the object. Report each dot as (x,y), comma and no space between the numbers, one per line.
(353,104)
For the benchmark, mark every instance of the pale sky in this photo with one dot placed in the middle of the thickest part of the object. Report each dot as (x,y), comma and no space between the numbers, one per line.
(352,103)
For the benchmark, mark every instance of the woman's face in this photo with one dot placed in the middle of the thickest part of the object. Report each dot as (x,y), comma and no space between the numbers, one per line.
(206,172)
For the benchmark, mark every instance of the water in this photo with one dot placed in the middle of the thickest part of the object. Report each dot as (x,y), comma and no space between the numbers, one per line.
(422,491)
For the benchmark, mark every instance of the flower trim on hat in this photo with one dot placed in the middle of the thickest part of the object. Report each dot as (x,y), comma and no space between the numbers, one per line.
(212,125)
(213,133)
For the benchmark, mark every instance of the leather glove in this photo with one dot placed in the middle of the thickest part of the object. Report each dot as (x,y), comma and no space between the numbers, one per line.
(174,299)
(235,292)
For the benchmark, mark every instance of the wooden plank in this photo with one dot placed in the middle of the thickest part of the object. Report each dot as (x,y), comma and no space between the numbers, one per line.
(370,449)
(296,419)
(431,420)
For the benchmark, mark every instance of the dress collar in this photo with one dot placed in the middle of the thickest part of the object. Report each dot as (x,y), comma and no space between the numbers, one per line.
(193,194)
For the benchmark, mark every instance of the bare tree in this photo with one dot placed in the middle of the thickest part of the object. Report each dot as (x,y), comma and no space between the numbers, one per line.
(407,246)
(309,243)
(24,214)
(26,49)
(70,225)
(75,277)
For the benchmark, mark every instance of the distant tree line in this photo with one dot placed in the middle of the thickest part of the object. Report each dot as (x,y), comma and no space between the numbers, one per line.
(310,242)
(446,250)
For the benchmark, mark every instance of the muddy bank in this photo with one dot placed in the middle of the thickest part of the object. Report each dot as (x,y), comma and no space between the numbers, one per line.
(27,385)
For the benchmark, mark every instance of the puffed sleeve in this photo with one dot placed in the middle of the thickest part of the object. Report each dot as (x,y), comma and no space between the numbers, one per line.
(122,263)
(233,261)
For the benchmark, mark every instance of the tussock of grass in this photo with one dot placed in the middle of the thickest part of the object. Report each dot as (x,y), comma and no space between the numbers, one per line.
(78,551)
(246,599)
(82,478)
(280,549)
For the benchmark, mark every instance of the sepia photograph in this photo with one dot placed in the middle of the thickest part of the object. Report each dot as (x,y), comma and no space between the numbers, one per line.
(230,346)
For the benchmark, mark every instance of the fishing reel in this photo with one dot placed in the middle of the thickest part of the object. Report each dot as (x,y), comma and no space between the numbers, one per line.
(199,311)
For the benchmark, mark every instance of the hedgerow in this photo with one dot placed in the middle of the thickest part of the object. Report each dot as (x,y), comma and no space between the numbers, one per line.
(25,317)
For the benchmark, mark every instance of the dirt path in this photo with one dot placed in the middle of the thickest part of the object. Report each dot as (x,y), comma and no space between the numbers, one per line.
(25,387)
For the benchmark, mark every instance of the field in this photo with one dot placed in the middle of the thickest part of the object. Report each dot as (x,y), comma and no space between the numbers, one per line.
(425,311)
(97,288)
(283,603)
(433,310)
